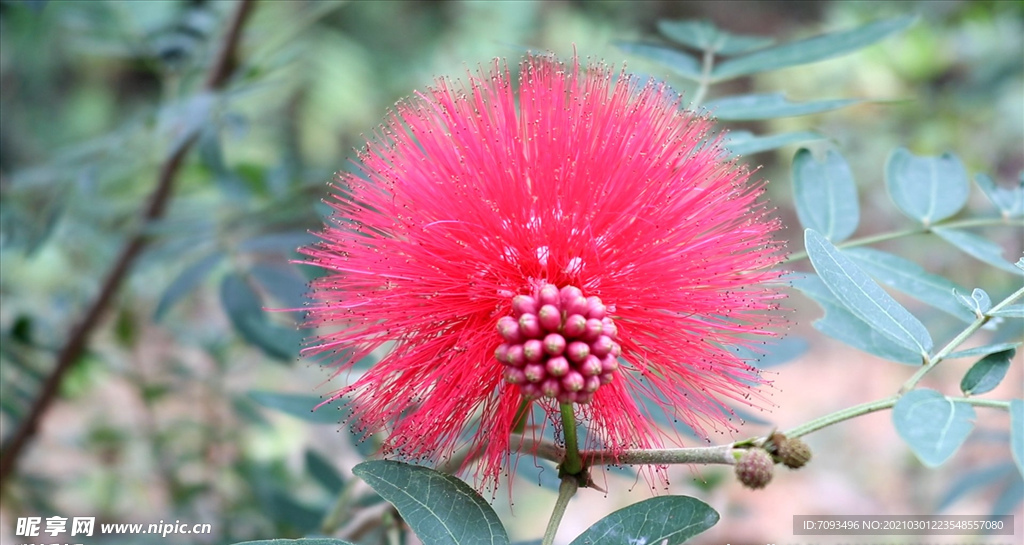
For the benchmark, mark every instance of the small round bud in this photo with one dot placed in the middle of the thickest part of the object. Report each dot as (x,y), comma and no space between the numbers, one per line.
(574,326)
(548,295)
(591,366)
(568,293)
(501,353)
(573,381)
(508,327)
(584,397)
(523,304)
(577,351)
(607,378)
(576,305)
(516,357)
(567,397)
(550,317)
(609,364)
(514,376)
(602,346)
(550,387)
(754,468)
(534,372)
(530,391)
(533,350)
(554,344)
(592,384)
(608,328)
(595,308)
(529,326)
(558,366)
(592,330)
(794,453)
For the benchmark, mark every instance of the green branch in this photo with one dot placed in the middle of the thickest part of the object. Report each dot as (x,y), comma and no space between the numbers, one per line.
(978,222)
(572,465)
(566,490)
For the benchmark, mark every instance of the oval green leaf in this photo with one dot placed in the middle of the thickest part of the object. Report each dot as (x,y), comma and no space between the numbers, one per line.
(810,50)
(1010,202)
(987,373)
(843,326)
(679,62)
(441,509)
(861,296)
(665,520)
(242,305)
(909,278)
(297,405)
(933,425)
(982,350)
(977,247)
(705,36)
(927,189)
(769,106)
(1017,432)
(826,195)
(746,143)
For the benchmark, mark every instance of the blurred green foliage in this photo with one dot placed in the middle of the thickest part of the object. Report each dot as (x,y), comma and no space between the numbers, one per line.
(156,421)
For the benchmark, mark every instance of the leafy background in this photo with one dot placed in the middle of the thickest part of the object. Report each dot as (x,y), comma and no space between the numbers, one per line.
(176,410)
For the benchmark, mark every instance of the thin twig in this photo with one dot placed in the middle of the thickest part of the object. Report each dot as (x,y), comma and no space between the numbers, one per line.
(78,340)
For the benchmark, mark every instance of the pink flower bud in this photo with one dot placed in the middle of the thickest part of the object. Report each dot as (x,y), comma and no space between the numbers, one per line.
(568,293)
(550,318)
(577,351)
(574,326)
(516,357)
(550,387)
(533,350)
(509,329)
(514,376)
(523,304)
(595,308)
(554,344)
(548,295)
(592,330)
(592,384)
(591,366)
(573,381)
(534,372)
(501,353)
(558,366)
(602,346)
(609,364)
(529,326)
(576,305)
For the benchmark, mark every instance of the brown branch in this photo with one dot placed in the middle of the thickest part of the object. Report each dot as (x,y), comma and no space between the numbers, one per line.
(217,74)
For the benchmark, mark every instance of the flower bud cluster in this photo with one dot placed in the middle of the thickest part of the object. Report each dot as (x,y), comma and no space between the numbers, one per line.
(755,468)
(558,344)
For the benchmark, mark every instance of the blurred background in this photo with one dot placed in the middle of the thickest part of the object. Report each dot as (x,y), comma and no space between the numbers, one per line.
(189,403)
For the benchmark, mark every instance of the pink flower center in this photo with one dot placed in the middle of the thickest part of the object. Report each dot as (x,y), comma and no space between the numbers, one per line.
(558,344)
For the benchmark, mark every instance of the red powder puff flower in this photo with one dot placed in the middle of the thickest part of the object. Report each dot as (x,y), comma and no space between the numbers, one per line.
(581,241)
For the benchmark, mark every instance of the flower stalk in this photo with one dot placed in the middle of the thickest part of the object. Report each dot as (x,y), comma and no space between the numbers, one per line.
(572,463)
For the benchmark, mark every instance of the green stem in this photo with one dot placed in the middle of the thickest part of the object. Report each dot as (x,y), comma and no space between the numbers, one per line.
(572,465)
(566,490)
(845,414)
(958,340)
(705,79)
(977,222)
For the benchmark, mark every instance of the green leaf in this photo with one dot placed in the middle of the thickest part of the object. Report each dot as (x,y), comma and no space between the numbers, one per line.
(667,520)
(1010,202)
(842,325)
(927,189)
(982,350)
(769,106)
(978,303)
(705,36)
(298,405)
(810,50)
(977,247)
(1010,311)
(826,195)
(243,307)
(1017,432)
(284,282)
(441,509)
(679,62)
(746,143)
(933,425)
(324,472)
(313,541)
(987,373)
(865,299)
(907,277)
(188,280)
